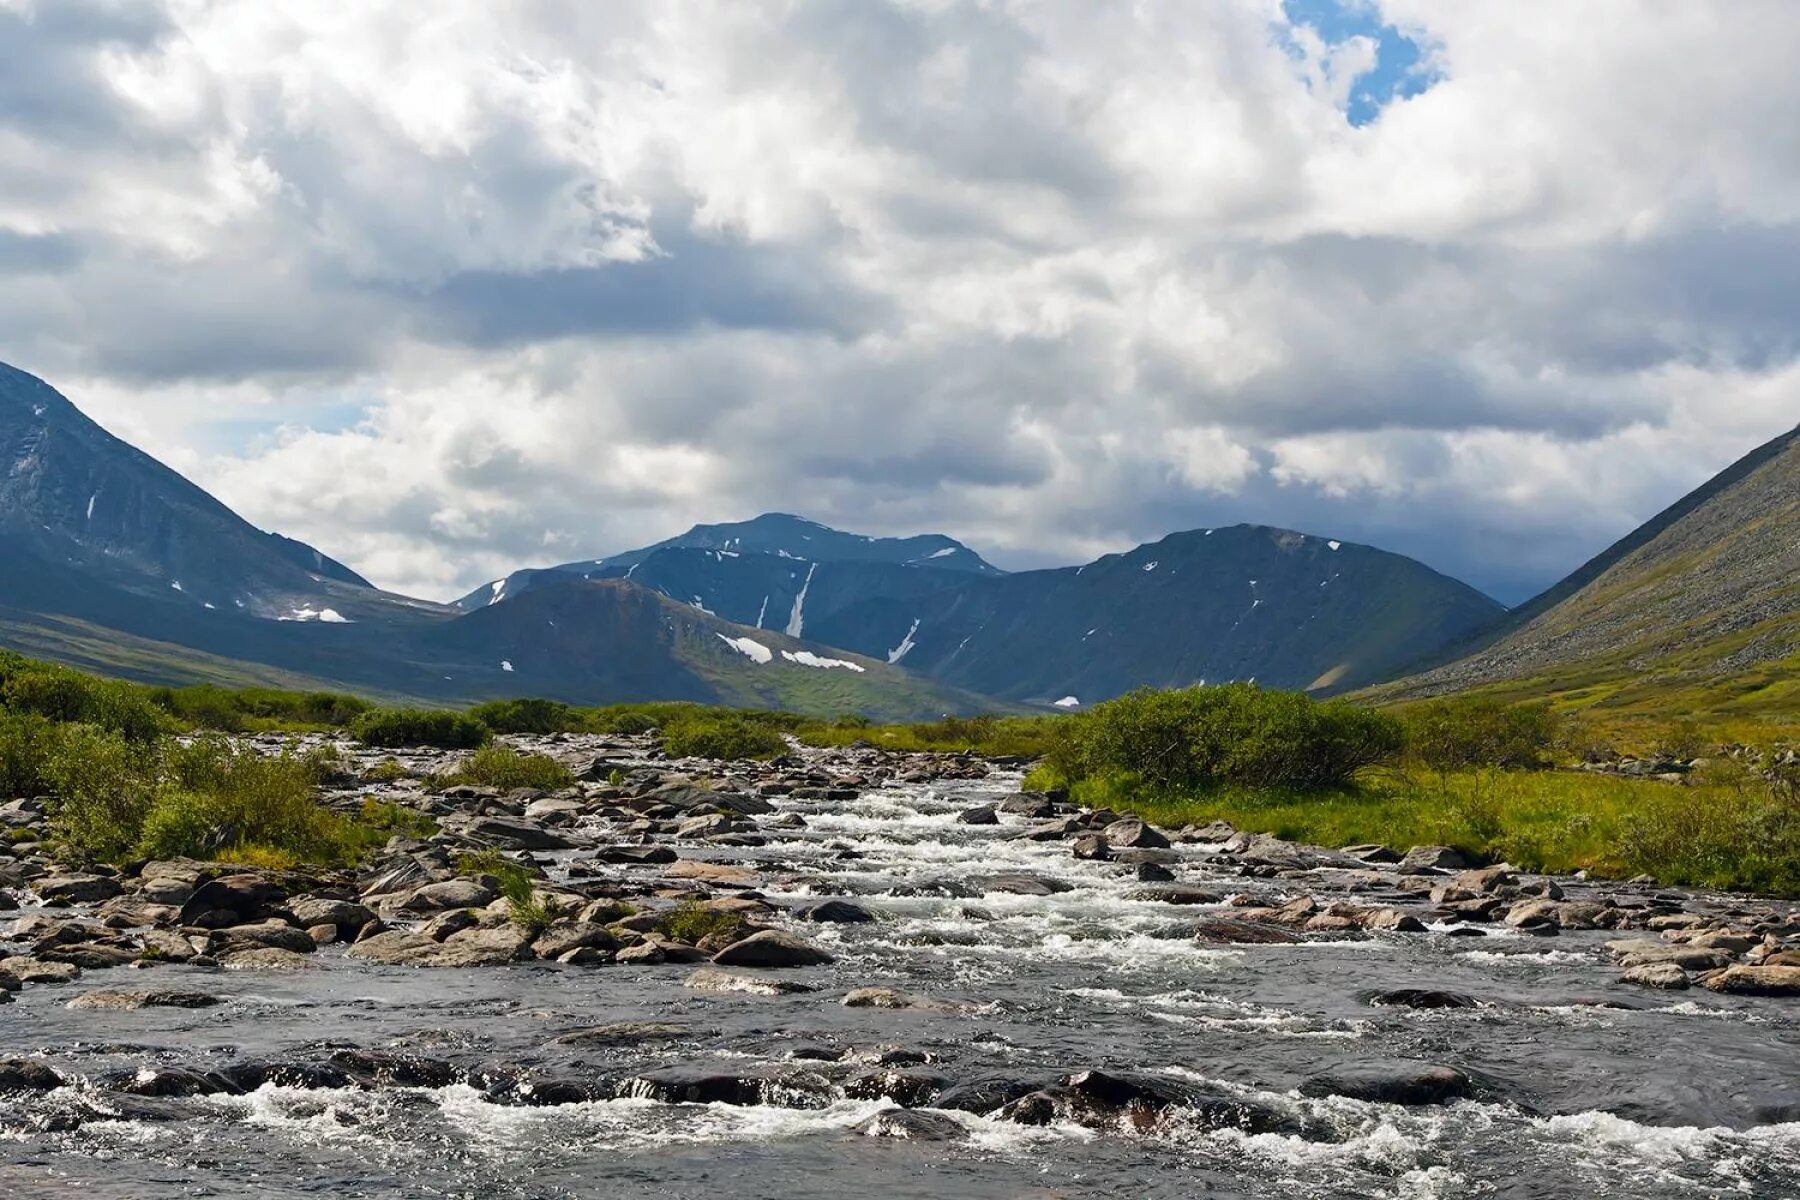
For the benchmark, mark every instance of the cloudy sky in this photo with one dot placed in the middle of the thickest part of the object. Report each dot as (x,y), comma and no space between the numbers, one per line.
(450,289)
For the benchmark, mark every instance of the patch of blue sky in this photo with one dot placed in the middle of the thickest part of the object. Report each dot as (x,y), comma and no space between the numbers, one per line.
(1402,67)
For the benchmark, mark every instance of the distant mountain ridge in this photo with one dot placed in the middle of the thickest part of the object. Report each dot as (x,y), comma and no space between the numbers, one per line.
(780,535)
(775,610)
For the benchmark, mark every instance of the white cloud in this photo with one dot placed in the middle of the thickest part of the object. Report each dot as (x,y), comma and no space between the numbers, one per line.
(517,283)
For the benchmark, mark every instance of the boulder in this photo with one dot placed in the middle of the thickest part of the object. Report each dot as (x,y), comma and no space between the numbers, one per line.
(883,997)
(76,888)
(324,910)
(245,894)
(27,1075)
(1665,975)
(911,1125)
(1228,931)
(1425,859)
(1132,833)
(717,874)
(450,893)
(564,936)
(771,948)
(509,833)
(1390,1081)
(836,912)
(633,1033)
(1092,847)
(980,815)
(1754,981)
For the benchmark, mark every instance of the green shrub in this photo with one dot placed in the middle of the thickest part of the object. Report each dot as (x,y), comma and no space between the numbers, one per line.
(691,922)
(102,787)
(527,716)
(384,816)
(399,727)
(26,740)
(388,770)
(1449,734)
(218,796)
(1238,734)
(68,697)
(725,736)
(501,766)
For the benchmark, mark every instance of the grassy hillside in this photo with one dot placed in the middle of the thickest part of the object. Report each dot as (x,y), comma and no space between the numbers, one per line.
(1697,615)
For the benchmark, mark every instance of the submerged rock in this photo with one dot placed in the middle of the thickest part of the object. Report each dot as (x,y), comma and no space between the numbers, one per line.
(911,1125)
(1390,1082)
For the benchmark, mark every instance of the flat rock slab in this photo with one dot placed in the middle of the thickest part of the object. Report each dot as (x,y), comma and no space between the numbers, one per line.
(711,979)
(1755,981)
(718,874)
(1390,1081)
(125,1001)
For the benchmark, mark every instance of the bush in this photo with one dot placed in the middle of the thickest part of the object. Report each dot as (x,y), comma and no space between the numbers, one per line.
(102,787)
(501,766)
(527,716)
(402,727)
(1449,734)
(691,922)
(724,736)
(219,796)
(69,697)
(1237,734)
(26,740)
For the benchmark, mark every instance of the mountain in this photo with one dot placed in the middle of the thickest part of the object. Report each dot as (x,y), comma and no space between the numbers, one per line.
(776,535)
(74,497)
(112,561)
(613,638)
(1286,609)
(1697,610)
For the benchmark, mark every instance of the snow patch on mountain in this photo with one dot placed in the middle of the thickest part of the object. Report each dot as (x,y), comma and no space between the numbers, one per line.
(748,647)
(797,618)
(906,644)
(806,658)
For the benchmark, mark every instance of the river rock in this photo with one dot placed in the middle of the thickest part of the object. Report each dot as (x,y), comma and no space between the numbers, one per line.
(1754,981)
(245,894)
(390,1068)
(324,910)
(892,998)
(126,1001)
(1228,931)
(1099,1098)
(981,815)
(1092,847)
(76,888)
(1135,835)
(1023,885)
(771,948)
(1425,859)
(1638,952)
(911,1125)
(835,912)
(449,893)
(564,936)
(1424,998)
(711,979)
(1390,1081)
(35,971)
(266,958)
(27,1075)
(1664,975)
(633,1033)
(468,948)
(717,874)
(265,935)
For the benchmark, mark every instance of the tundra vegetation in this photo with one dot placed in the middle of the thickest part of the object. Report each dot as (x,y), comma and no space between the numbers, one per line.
(131,771)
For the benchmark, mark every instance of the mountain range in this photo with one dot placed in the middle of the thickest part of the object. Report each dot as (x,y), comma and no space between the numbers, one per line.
(112,561)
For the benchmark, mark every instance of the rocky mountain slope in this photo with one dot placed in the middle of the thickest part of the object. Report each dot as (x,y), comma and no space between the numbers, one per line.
(1697,610)
(72,494)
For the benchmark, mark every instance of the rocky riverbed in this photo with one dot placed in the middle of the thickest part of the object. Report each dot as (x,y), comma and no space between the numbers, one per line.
(883,972)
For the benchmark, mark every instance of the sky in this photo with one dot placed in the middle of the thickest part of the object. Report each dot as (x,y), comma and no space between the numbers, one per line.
(455,289)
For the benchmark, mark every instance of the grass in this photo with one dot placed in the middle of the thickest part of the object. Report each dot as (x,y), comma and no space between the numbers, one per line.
(1729,833)
(501,766)
(517,886)
(723,736)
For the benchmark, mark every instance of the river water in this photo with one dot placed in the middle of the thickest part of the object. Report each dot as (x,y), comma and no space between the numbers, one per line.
(1591,1089)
